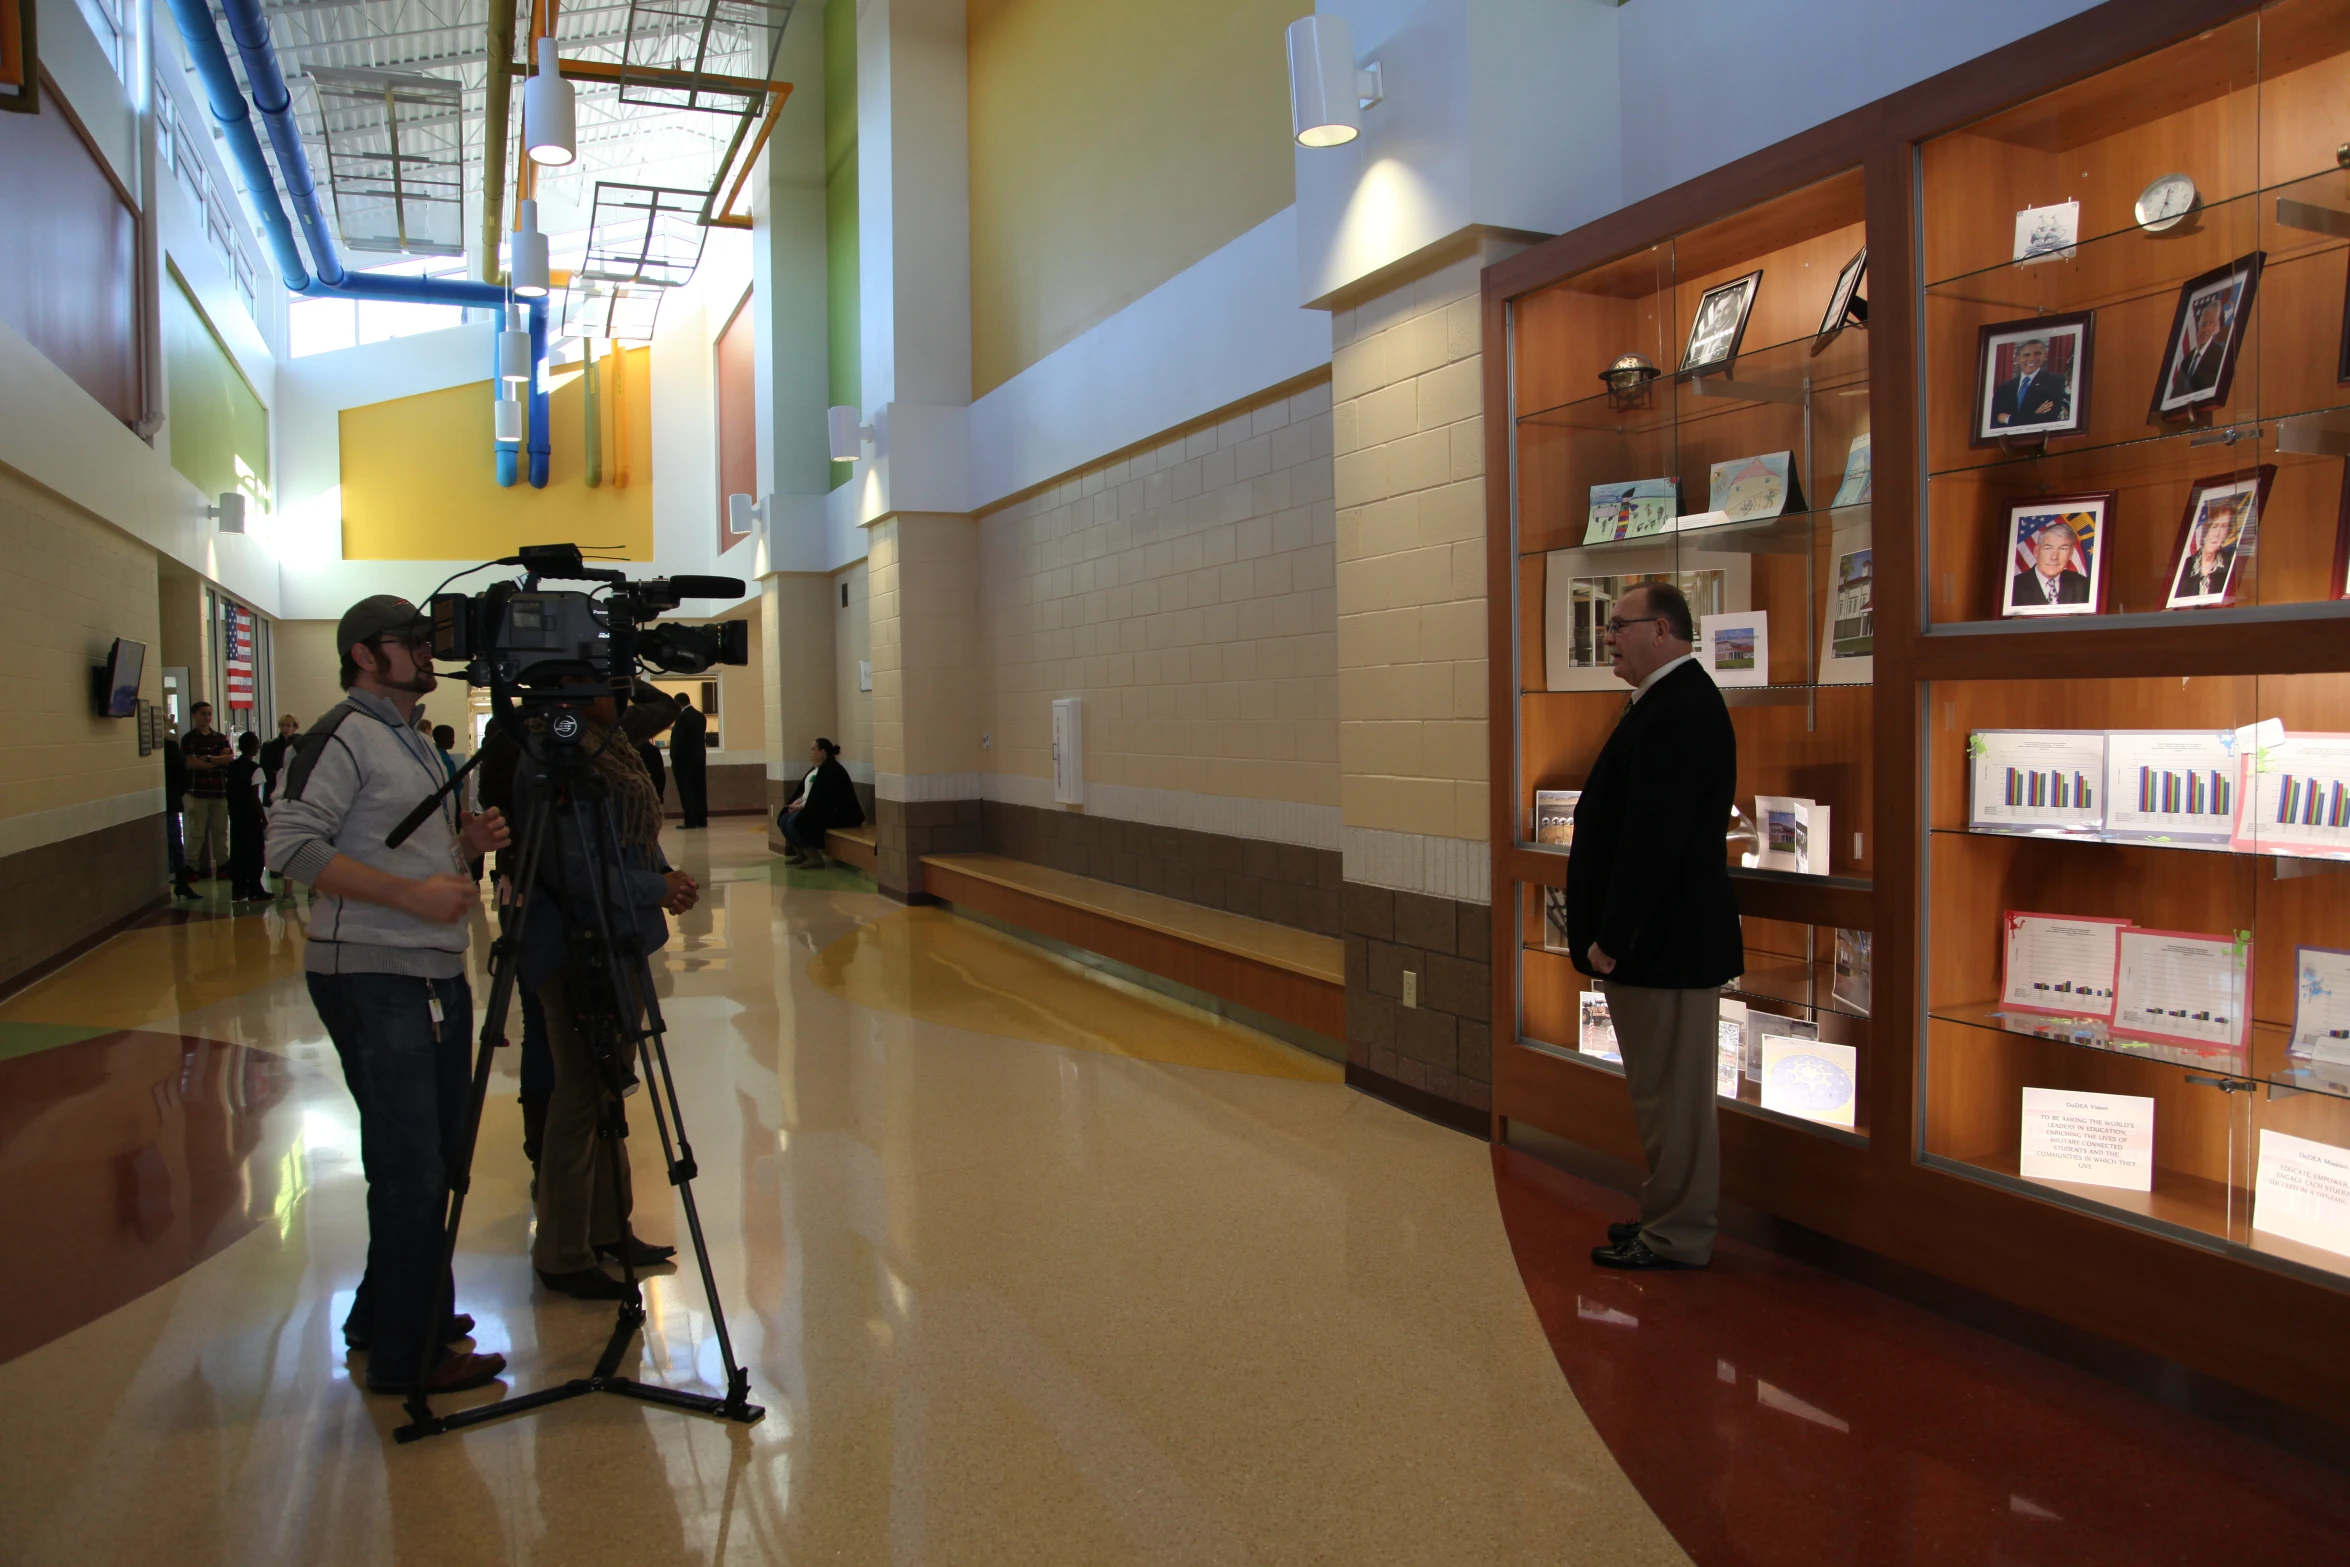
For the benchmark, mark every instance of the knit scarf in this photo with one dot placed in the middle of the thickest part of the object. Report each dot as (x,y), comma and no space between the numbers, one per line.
(636,809)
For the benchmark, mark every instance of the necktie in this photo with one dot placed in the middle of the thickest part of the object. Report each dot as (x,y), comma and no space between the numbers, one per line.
(2048,586)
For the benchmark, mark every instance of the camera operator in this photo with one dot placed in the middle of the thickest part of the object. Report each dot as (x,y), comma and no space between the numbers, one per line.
(386,966)
(583,1203)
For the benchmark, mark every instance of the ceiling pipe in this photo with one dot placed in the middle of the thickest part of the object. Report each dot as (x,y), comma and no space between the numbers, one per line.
(211,65)
(496,106)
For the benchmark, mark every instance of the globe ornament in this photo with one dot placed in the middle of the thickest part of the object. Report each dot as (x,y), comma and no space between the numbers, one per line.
(1627,378)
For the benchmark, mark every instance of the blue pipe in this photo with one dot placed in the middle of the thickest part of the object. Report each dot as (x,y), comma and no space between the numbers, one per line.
(244,148)
(250,29)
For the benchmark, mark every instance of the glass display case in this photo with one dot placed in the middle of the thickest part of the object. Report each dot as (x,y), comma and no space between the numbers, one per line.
(2142,431)
(1698,411)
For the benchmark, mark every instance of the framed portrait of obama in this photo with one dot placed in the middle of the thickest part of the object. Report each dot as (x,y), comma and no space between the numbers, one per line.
(2052,555)
(2032,379)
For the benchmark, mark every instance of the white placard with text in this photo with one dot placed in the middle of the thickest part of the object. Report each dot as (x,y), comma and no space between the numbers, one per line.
(2091,1139)
(2302,1191)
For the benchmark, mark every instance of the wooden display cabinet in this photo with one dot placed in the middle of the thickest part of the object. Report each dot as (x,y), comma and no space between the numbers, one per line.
(2253,105)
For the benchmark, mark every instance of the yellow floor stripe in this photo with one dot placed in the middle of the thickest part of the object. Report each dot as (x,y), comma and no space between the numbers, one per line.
(931,965)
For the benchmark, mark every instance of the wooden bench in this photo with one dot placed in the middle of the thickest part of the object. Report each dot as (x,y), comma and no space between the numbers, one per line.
(848,845)
(1285,973)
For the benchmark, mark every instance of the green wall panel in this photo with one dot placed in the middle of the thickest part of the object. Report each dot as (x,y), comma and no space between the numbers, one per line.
(216,420)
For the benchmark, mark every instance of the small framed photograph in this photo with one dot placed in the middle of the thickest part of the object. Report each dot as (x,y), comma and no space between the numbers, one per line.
(1736,649)
(2220,529)
(1845,308)
(2051,233)
(2055,555)
(1719,324)
(2032,378)
(2199,364)
(1554,817)
(2340,586)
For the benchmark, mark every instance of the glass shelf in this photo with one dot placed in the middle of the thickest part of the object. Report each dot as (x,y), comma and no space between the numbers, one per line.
(2302,864)
(1790,694)
(1792,982)
(1748,1098)
(2287,221)
(1788,373)
(1790,533)
(2266,1064)
(2298,432)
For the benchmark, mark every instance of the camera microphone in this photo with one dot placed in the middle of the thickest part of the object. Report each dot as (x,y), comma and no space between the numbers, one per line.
(707,587)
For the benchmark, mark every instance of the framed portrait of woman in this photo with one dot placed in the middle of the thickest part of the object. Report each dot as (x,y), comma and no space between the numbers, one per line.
(2217,535)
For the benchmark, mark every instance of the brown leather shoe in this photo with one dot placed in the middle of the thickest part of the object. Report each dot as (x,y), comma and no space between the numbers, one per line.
(455,1374)
(585,1284)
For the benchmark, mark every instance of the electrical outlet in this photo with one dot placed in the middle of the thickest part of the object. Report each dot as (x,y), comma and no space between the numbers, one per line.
(1411,988)
(1856,854)
(987,742)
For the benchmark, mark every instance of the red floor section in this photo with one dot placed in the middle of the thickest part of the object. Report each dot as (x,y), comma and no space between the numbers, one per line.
(1774,1414)
(125,1160)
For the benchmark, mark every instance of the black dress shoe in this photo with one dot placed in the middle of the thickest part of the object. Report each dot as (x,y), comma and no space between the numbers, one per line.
(454,1374)
(1633,1256)
(585,1284)
(641,1254)
(1617,1234)
(459,1325)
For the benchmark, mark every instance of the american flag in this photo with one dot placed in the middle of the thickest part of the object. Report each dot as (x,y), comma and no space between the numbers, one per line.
(239,681)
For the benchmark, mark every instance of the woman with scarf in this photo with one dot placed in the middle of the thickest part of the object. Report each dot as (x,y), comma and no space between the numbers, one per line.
(584,1197)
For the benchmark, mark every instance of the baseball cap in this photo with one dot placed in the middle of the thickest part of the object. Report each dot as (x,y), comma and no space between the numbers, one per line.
(379,616)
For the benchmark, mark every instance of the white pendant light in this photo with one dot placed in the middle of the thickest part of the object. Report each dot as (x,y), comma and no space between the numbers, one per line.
(514,349)
(506,418)
(547,111)
(846,432)
(1327,95)
(530,254)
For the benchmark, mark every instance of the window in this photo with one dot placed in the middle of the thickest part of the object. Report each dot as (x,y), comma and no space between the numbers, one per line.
(105,19)
(320,326)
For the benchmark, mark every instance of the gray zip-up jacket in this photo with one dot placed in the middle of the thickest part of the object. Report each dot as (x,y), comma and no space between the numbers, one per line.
(349,784)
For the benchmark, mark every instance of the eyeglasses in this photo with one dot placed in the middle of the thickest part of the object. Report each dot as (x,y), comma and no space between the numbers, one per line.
(1616,627)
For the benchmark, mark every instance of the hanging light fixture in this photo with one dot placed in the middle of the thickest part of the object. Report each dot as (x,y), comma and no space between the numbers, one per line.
(514,348)
(506,417)
(548,113)
(530,254)
(1327,94)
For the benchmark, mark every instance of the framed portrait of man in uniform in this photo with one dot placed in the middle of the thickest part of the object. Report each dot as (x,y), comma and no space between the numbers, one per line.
(2032,378)
(2053,555)
(2199,360)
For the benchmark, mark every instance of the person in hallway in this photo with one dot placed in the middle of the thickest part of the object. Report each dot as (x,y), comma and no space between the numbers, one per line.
(385,962)
(274,754)
(206,753)
(246,822)
(650,713)
(1651,916)
(583,1195)
(175,795)
(819,802)
(688,759)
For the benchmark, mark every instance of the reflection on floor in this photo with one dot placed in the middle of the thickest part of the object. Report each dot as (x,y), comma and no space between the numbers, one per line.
(1028,1266)
(1018,1279)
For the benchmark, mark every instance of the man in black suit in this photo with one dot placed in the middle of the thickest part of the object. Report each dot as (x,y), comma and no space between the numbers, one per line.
(2034,396)
(2050,579)
(2205,346)
(1651,916)
(688,760)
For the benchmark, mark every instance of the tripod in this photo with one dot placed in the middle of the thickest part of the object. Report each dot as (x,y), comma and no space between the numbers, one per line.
(610,986)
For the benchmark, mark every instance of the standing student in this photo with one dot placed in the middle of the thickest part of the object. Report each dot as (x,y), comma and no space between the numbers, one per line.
(206,753)
(688,759)
(1651,916)
(246,822)
(274,754)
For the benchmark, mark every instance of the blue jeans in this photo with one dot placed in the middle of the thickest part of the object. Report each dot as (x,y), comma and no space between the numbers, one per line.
(411,1081)
(799,837)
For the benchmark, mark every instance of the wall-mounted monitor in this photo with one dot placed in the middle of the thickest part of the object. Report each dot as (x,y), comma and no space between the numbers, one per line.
(118,683)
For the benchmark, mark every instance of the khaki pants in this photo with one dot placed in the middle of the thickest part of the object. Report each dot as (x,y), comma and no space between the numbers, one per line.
(206,853)
(576,1210)
(1669,1039)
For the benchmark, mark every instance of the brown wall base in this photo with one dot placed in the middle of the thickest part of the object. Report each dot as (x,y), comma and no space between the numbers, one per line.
(64,897)
(1281,882)
(1420,1102)
(906,830)
(736,789)
(1442,1046)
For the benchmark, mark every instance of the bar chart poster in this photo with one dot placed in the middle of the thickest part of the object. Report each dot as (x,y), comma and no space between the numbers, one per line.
(2295,798)
(2171,785)
(2037,780)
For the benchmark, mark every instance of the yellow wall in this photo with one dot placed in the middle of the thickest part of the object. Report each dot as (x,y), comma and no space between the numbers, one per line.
(420,477)
(72,585)
(1113,144)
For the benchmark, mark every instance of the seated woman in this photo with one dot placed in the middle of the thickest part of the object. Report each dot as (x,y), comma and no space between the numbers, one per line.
(823,800)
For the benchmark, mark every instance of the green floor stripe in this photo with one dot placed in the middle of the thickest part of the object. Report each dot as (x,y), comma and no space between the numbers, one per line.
(23,1039)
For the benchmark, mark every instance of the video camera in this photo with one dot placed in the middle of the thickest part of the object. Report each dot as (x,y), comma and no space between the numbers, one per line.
(516,638)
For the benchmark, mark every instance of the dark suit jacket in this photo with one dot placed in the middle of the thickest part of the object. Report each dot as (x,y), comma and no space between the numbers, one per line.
(2011,404)
(650,755)
(2199,372)
(689,740)
(2071,588)
(832,802)
(1648,877)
